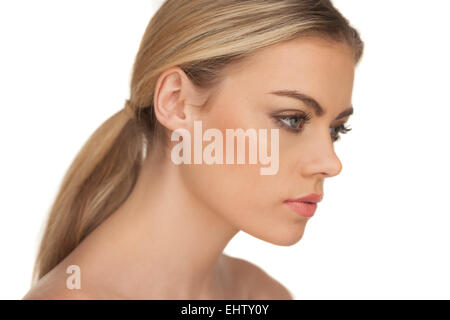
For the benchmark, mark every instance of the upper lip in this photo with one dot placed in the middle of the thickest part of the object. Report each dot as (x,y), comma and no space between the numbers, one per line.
(312,198)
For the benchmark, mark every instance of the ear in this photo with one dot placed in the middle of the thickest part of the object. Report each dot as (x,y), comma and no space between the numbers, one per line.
(177,101)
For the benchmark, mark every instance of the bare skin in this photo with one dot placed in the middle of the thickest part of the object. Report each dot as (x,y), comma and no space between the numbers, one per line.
(167,240)
(246,282)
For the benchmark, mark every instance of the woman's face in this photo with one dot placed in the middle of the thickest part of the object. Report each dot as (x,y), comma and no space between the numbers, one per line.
(255,203)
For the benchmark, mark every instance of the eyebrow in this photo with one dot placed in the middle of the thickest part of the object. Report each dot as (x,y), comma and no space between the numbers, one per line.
(310,102)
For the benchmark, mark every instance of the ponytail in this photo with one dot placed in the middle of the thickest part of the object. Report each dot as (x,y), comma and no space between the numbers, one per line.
(98,181)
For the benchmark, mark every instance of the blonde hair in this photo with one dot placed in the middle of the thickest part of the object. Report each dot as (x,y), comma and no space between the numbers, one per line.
(201,37)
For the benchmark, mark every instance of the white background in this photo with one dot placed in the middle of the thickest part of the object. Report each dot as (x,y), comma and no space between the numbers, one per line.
(383,229)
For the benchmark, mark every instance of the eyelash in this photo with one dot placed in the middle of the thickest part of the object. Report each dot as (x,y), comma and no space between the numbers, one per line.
(305,119)
(342,129)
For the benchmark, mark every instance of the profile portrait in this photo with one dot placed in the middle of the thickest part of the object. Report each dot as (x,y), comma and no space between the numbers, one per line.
(229,126)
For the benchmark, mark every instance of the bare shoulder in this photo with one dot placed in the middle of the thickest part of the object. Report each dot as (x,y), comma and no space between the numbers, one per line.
(37,294)
(262,285)
(52,287)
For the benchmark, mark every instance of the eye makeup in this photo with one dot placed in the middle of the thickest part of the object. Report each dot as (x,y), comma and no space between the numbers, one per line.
(294,121)
(335,132)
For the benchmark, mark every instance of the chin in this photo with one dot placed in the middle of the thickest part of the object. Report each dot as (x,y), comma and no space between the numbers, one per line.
(287,241)
(284,236)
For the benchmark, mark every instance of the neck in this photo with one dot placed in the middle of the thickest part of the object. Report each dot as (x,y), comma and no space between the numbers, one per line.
(161,243)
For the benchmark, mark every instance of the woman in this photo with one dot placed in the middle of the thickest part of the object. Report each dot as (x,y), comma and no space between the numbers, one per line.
(131,223)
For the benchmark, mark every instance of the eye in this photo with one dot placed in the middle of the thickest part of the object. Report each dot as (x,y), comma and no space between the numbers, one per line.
(336,131)
(293,123)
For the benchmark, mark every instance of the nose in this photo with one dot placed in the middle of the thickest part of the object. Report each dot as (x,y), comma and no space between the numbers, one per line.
(320,159)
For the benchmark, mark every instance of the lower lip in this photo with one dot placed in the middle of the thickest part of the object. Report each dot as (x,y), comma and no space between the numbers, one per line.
(302,208)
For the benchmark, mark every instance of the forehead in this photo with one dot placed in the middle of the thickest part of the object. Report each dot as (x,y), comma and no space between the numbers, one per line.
(315,66)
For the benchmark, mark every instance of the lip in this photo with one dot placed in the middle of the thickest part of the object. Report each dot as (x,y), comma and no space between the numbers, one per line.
(313,197)
(305,206)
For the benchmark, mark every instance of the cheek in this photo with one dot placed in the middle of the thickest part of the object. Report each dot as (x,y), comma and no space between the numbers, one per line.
(238,192)
(246,199)
(236,188)
(231,190)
